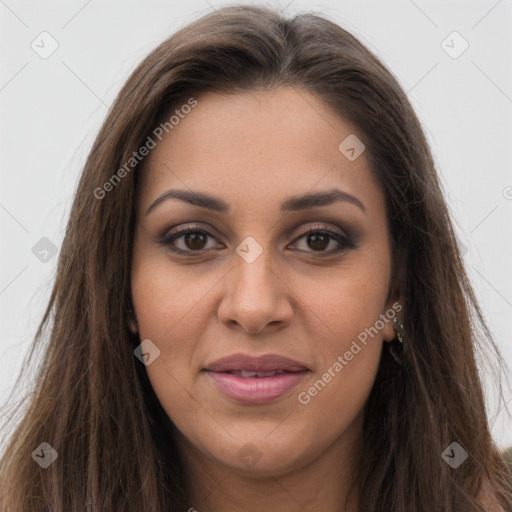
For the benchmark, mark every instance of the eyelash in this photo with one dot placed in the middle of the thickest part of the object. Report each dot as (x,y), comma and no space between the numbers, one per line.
(169,238)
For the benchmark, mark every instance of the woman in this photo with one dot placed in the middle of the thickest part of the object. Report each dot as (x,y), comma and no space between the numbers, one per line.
(260,302)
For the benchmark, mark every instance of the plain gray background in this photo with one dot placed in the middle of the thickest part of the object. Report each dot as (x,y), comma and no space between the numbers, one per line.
(51,109)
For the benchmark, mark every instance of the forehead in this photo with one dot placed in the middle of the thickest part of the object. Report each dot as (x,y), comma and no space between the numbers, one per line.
(263,145)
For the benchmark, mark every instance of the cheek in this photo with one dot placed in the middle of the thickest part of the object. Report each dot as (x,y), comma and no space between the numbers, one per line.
(349,299)
(346,325)
(169,304)
(168,299)
(346,318)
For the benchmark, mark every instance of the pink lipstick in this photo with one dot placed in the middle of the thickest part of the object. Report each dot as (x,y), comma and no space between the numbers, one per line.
(256,380)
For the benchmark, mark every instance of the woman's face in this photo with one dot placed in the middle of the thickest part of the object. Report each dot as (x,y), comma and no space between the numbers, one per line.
(250,281)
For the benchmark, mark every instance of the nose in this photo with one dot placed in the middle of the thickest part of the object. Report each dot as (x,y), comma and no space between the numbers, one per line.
(256,298)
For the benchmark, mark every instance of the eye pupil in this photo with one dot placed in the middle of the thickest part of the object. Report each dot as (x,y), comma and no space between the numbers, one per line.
(319,241)
(196,238)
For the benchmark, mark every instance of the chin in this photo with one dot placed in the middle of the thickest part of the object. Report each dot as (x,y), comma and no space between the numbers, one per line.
(260,455)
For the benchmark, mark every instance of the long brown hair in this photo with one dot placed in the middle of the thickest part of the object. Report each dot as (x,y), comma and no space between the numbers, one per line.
(92,401)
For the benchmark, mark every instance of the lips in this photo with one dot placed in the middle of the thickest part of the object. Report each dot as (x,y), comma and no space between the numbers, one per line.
(255,380)
(246,373)
(261,364)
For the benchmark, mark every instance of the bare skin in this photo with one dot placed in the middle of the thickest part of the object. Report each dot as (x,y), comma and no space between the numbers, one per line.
(299,298)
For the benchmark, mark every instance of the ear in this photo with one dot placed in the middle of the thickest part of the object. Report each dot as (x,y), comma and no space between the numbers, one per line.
(132,322)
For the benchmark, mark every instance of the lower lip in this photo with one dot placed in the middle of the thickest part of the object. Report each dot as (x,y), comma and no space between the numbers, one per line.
(255,390)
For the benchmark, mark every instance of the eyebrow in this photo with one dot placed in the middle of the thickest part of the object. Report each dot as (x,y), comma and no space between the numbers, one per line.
(294,203)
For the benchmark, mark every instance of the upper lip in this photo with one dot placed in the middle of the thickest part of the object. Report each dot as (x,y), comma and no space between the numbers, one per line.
(265,363)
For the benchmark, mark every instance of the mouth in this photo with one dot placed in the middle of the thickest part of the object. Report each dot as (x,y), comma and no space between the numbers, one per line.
(255,380)
(248,373)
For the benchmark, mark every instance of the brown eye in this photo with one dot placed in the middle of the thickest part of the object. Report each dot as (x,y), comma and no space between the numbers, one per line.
(187,240)
(195,240)
(318,240)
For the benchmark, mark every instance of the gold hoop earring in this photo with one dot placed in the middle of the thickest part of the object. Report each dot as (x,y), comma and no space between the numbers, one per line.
(399,328)
(397,346)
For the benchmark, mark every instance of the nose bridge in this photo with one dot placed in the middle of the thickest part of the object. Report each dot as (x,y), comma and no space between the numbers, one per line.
(254,296)
(253,272)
